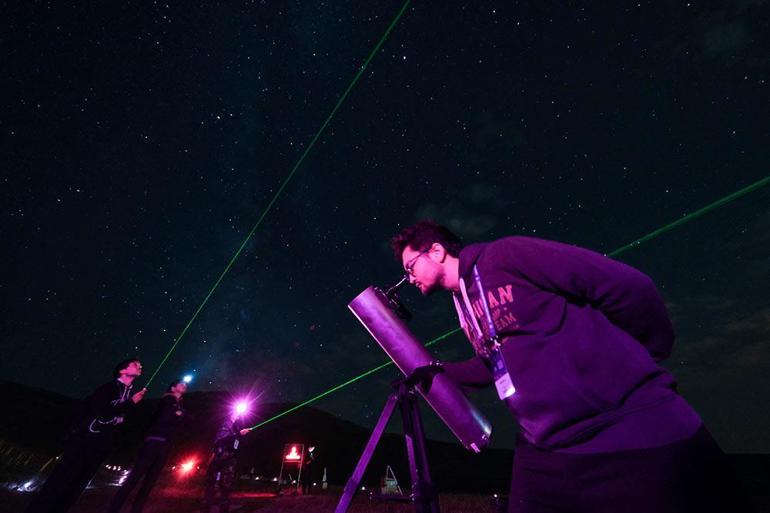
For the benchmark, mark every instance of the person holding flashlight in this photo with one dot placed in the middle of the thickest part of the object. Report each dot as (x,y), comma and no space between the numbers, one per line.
(220,474)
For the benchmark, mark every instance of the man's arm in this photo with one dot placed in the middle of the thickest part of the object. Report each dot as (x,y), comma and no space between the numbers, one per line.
(471,373)
(106,402)
(228,434)
(626,296)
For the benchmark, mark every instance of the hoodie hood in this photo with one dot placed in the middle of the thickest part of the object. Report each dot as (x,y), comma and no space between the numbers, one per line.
(468,258)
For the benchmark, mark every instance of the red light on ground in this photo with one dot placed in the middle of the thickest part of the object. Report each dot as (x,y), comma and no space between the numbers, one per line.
(187,467)
(293,454)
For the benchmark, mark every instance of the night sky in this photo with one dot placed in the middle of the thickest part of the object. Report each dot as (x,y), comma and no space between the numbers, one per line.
(141,142)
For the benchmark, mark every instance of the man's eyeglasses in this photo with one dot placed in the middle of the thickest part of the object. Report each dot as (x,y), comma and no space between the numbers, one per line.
(409,266)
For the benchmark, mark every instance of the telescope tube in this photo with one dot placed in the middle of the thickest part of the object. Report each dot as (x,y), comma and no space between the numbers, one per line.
(471,428)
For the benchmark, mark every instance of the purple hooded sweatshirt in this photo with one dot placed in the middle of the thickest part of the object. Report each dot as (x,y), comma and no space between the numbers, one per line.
(582,337)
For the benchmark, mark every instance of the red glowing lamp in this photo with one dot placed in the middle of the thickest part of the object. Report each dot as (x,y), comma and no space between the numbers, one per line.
(293,454)
(188,466)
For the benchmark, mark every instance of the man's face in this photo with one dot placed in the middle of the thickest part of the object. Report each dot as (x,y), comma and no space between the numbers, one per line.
(424,272)
(179,388)
(134,369)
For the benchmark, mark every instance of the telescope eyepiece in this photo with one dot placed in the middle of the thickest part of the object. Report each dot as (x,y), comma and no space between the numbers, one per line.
(394,302)
(391,292)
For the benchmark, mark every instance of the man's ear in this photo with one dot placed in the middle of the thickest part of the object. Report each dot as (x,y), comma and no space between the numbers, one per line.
(438,252)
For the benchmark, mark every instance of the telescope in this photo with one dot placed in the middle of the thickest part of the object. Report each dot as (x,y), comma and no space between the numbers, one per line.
(382,315)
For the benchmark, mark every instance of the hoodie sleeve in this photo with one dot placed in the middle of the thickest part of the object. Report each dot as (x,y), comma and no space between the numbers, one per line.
(626,296)
(471,373)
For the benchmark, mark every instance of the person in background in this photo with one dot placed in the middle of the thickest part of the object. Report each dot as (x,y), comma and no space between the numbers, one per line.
(309,470)
(91,440)
(152,456)
(220,475)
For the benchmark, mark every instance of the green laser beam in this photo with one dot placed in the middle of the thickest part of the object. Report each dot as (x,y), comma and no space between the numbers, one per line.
(689,217)
(286,181)
(343,385)
(636,243)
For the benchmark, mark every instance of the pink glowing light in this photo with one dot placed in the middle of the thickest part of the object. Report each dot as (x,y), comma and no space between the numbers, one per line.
(241,407)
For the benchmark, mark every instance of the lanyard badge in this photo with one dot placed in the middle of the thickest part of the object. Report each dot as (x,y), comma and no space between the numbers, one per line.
(491,346)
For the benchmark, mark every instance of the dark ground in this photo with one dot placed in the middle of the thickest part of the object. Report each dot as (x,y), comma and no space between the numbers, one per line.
(174,494)
(187,500)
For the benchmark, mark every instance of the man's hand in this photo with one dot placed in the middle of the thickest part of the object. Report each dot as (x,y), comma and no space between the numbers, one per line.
(423,376)
(245,431)
(139,395)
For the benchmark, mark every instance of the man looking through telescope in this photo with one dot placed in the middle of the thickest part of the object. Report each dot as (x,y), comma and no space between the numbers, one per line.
(573,341)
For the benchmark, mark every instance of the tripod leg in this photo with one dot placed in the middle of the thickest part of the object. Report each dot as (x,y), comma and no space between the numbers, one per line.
(408,420)
(366,456)
(423,491)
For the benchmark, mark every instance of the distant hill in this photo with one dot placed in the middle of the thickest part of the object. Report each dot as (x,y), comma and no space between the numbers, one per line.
(39,420)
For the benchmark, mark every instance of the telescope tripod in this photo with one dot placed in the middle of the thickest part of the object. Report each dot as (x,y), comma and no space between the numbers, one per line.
(423,496)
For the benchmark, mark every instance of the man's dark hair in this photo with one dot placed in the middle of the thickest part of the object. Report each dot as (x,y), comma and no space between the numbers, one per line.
(173,384)
(421,236)
(123,365)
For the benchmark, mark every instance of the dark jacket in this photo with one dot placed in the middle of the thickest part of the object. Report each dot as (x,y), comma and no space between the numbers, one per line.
(227,439)
(104,410)
(169,416)
(582,336)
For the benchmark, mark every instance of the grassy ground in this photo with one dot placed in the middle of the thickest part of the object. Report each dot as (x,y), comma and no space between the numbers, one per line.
(183,501)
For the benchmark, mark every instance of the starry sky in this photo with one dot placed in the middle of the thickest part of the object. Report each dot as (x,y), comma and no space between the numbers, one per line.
(142,141)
